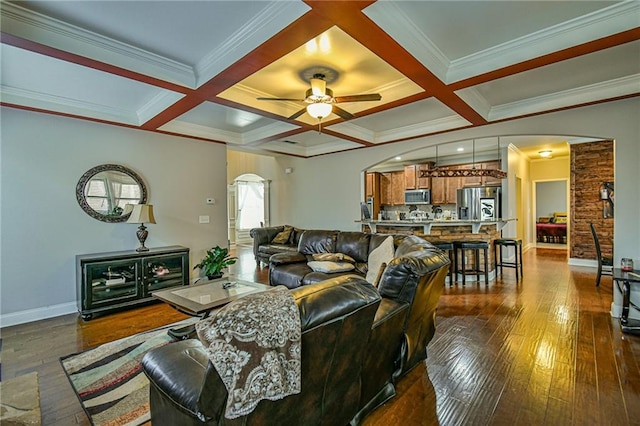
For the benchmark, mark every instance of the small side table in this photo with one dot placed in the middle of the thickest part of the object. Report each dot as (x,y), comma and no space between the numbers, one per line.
(627,279)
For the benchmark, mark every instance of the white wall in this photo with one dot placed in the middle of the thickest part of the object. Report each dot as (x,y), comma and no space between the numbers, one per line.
(551,197)
(43,228)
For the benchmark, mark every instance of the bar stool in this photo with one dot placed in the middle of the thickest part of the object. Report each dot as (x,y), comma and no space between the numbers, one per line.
(508,242)
(475,246)
(448,247)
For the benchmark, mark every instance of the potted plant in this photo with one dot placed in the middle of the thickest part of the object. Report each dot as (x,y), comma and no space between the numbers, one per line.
(215,261)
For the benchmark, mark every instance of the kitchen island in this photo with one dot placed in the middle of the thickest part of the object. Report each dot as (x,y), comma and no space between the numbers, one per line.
(445,231)
(425,226)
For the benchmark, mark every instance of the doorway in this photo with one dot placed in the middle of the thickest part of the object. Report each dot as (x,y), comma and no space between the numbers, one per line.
(551,207)
(248,201)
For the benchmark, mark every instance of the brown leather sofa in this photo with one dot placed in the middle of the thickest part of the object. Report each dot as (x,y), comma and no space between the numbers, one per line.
(264,247)
(341,381)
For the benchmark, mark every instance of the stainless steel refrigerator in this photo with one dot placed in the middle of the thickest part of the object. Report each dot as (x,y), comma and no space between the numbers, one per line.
(479,203)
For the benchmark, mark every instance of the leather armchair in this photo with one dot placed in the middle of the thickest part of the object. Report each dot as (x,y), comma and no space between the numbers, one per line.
(336,318)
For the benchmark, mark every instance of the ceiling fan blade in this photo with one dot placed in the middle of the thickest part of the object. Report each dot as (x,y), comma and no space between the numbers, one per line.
(358,98)
(298,114)
(280,99)
(342,113)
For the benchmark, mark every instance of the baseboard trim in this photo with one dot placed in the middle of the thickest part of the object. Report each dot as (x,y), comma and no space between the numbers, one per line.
(589,263)
(30,315)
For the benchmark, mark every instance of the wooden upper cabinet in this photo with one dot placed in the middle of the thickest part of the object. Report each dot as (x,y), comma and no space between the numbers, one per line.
(368,185)
(491,181)
(385,189)
(410,178)
(470,181)
(423,182)
(397,188)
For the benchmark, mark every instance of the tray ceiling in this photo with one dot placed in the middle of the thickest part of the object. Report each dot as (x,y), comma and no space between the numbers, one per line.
(195,69)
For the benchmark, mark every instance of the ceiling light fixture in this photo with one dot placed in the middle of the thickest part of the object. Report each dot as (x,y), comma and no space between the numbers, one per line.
(460,149)
(545,153)
(319,110)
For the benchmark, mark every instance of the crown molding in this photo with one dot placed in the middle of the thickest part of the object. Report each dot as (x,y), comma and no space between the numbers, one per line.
(48,31)
(594,92)
(267,131)
(475,100)
(331,147)
(611,20)
(348,128)
(197,130)
(272,19)
(414,130)
(60,104)
(392,19)
(157,104)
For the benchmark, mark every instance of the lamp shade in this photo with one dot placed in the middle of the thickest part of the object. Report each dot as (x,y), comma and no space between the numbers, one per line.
(319,110)
(141,213)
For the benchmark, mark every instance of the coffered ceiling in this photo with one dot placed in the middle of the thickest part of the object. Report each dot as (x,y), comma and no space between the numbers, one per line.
(196,68)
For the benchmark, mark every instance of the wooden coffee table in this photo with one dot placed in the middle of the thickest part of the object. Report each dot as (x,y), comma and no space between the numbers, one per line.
(199,300)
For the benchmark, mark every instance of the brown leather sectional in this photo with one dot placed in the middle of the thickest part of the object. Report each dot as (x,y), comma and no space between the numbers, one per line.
(357,341)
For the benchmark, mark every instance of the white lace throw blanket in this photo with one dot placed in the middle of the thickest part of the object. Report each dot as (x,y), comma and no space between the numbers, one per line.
(254,345)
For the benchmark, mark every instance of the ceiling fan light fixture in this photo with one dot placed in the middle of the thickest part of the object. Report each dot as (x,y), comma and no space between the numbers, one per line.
(318,86)
(319,110)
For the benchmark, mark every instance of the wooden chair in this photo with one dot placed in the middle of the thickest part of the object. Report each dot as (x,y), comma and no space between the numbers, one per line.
(605,264)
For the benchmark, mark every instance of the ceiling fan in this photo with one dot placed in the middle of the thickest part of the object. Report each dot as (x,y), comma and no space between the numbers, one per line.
(321,102)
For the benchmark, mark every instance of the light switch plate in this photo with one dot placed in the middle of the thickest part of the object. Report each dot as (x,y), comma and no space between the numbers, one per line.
(203,219)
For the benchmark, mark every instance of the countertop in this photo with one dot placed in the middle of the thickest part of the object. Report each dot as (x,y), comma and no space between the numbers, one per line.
(428,223)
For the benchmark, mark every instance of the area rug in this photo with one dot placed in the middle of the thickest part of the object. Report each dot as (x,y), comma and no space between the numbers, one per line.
(20,401)
(109,380)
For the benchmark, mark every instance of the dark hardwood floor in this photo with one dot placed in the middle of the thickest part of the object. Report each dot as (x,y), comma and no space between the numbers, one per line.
(544,351)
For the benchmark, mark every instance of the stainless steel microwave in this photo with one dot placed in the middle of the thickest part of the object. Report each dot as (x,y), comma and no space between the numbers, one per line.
(417,196)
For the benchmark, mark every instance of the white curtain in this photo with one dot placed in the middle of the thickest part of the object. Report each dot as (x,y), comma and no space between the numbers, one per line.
(250,205)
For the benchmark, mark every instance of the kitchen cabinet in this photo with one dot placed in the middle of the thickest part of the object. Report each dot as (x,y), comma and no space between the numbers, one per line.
(471,180)
(369,185)
(491,181)
(410,178)
(392,187)
(397,188)
(372,192)
(423,182)
(109,281)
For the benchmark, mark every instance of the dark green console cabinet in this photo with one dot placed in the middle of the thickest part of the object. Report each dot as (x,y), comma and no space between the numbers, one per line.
(110,281)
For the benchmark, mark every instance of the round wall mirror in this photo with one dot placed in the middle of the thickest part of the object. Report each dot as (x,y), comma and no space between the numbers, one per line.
(104,191)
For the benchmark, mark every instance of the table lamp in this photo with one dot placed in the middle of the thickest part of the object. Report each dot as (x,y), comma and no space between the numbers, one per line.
(141,213)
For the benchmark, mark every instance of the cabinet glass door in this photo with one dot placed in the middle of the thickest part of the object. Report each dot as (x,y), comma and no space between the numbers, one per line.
(164,271)
(111,281)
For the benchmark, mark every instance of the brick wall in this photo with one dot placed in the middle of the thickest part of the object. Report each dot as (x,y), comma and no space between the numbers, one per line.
(591,166)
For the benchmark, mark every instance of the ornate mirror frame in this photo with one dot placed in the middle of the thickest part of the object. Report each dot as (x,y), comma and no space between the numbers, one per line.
(86,178)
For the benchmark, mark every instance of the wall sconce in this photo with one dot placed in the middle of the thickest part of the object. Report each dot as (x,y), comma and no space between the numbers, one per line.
(606,195)
(141,213)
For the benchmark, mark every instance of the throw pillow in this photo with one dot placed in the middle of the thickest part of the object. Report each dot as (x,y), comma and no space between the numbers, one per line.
(330,267)
(333,257)
(283,236)
(381,254)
